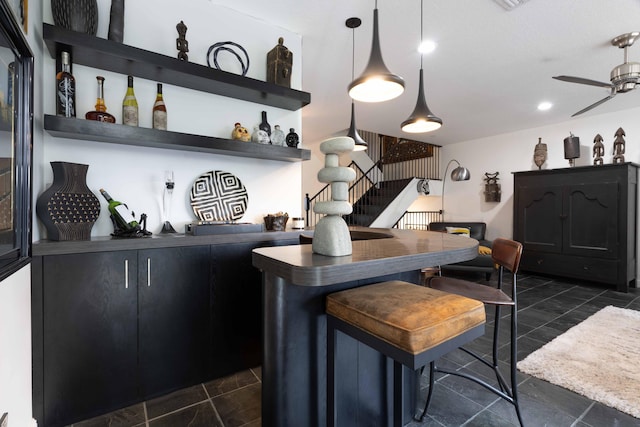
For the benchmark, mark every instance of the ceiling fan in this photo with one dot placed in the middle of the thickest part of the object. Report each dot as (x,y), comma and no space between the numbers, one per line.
(624,77)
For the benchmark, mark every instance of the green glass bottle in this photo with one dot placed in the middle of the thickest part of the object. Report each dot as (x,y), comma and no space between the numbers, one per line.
(121,213)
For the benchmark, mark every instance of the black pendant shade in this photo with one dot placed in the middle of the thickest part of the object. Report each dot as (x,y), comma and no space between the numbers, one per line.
(377,83)
(422,119)
(361,144)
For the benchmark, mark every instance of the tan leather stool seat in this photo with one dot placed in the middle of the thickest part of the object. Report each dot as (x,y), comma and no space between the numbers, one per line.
(408,316)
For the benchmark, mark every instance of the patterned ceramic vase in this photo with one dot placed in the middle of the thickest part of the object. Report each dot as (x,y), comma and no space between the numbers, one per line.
(76,15)
(68,209)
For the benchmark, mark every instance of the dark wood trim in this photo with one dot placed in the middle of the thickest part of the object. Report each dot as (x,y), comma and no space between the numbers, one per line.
(120,58)
(72,128)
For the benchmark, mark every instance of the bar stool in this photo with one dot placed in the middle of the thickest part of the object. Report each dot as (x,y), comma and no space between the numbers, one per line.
(506,254)
(408,323)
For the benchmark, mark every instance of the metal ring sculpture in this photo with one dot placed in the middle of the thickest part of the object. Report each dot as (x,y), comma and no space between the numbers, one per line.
(217,47)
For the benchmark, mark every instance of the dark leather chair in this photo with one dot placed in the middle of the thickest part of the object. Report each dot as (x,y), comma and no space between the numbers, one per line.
(481,263)
(506,254)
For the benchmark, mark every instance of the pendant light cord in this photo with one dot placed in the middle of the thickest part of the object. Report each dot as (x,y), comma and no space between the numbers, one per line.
(421,34)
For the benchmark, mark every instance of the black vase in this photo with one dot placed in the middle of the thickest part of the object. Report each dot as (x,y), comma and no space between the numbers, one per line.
(116,21)
(76,15)
(68,209)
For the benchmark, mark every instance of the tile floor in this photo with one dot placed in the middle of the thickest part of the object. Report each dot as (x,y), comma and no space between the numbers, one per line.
(547,308)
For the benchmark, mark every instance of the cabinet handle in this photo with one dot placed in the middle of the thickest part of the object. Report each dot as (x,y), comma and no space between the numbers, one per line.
(126,274)
(148,272)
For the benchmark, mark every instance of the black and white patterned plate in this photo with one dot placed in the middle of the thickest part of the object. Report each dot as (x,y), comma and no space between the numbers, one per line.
(218,196)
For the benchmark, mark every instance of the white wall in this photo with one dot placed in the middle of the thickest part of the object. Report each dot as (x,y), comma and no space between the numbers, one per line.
(135,175)
(513,152)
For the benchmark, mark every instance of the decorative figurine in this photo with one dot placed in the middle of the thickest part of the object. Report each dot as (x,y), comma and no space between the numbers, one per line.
(571,149)
(331,236)
(540,154)
(277,137)
(181,42)
(167,194)
(260,136)
(292,138)
(224,46)
(279,60)
(240,133)
(618,146)
(598,150)
(492,191)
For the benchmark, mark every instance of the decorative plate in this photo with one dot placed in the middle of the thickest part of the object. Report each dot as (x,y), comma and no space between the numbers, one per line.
(218,196)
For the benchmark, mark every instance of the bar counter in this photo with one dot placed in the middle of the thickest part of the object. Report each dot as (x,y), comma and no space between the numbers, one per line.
(295,283)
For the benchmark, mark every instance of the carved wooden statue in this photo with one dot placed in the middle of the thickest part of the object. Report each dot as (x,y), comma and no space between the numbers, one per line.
(279,61)
(618,146)
(181,42)
(492,191)
(598,150)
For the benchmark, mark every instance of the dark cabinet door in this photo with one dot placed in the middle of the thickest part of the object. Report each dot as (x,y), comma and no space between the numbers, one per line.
(90,334)
(174,322)
(591,220)
(538,225)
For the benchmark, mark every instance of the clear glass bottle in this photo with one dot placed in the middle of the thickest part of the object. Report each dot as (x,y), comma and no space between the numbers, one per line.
(159,111)
(100,113)
(65,89)
(130,105)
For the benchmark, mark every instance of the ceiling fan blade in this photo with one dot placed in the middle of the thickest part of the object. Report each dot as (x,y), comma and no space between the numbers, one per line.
(602,101)
(580,80)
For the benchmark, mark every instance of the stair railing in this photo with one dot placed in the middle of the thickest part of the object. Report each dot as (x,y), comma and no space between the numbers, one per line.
(363,182)
(418,220)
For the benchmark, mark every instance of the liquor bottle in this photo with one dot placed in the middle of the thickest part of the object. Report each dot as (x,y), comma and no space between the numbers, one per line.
(159,111)
(65,89)
(264,125)
(120,213)
(100,113)
(130,105)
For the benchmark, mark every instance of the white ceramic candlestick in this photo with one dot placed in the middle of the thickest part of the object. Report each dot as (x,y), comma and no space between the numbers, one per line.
(331,236)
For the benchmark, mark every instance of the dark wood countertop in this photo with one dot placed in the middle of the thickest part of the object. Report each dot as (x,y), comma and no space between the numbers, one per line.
(108,243)
(403,250)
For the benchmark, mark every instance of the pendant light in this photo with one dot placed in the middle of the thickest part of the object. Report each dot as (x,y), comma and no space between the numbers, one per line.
(422,119)
(377,83)
(361,144)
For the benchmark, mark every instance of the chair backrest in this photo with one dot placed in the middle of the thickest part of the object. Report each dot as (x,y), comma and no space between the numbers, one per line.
(507,253)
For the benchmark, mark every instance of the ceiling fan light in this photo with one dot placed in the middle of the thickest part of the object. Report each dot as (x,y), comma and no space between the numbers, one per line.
(377,83)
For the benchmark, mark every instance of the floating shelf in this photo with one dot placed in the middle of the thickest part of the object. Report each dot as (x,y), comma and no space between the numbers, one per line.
(89,130)
(105,54)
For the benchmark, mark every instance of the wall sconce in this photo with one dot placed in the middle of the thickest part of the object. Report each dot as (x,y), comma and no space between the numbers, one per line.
(458,174)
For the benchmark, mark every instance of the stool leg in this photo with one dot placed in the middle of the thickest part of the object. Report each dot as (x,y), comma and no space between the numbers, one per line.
(514,361)
(432,371)
(398,395)
(331,380)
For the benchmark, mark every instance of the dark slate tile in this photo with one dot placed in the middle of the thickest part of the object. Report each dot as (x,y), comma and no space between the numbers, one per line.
(176,400)
(534,317)
(126,417)
(448,407)
(200,415)
(555,396)
(488,418)
(239,407)
(603,416)
(543,334)
(230,383)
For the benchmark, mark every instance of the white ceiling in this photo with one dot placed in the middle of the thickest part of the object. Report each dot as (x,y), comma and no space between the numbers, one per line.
(491,68)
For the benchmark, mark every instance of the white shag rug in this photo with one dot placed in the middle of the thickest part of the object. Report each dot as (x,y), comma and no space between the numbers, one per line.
(597,358)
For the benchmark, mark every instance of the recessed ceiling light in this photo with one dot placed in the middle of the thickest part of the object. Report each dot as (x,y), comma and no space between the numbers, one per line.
(427,46)
(544,106)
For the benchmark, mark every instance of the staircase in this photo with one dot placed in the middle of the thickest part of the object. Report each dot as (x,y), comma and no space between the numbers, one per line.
(382,205)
